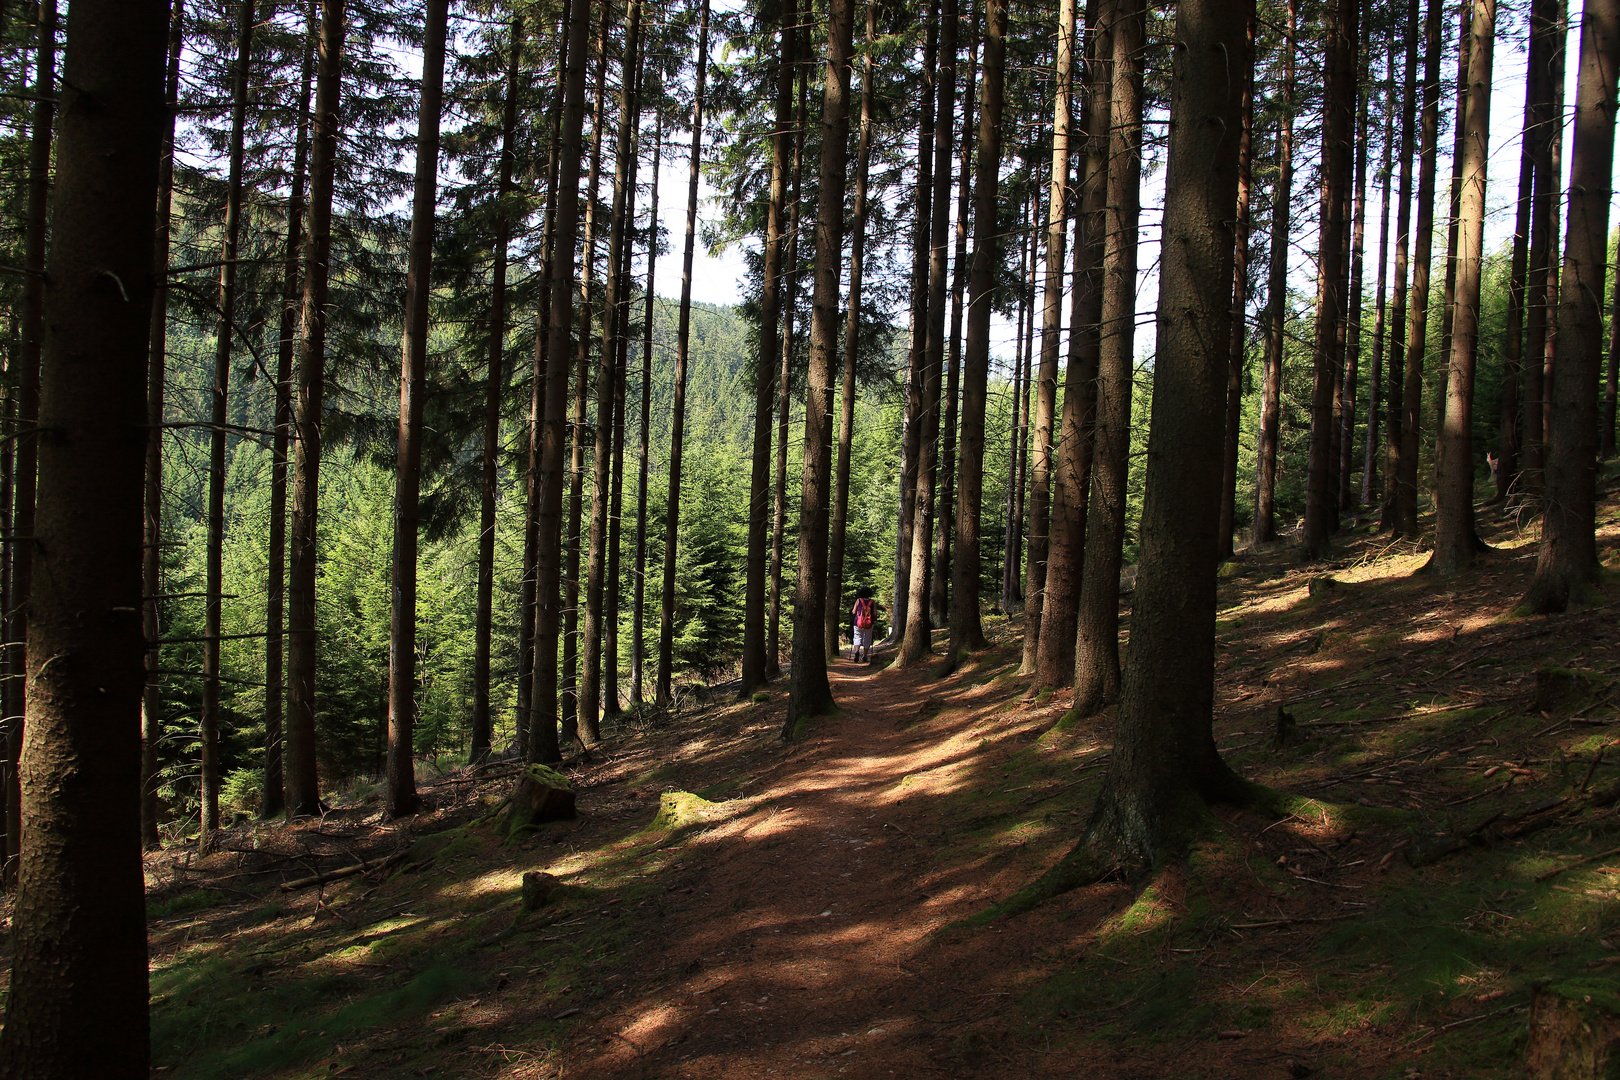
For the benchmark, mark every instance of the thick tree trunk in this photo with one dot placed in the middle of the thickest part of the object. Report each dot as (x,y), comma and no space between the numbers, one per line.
(1546,77)
(852,335)
(494,383)
(77,1004)
(152,534)
(809,693)
(1455,540)
(918,632)
(1569,566)
(1353,320)
(966,632)
(1097,641)
(1338,156)
(1265,485)
(754,662)
(1395,418)
(638,617)
(1240,300)
(1448,304)
(1165,767)
(1405,487)
(607,393)
(402,797)
(1054,658)
(303,785)
(919,320)
(664,690)
(1380,327)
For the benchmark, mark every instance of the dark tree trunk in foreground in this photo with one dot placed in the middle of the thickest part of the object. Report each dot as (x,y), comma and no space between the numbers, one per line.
(303,787)
(152,535)
(1404,494)
(1096,676)
(1040,495)
(1240,300)
(1394,413)
(1569,566)
(966,632)
(77,1006)
(41,127)
(918,633)
(1338,155)
(1054,658)
(754,665)
(1455,541)
(1165,767)
(1265,485)
(1546,75)
(638,618)
(402,797)
(666,619)
(494,383)
(219,416)
(833,620)
(809,692)
(1380,326)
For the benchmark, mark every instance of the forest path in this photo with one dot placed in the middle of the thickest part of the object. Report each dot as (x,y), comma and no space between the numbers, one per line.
(800,941)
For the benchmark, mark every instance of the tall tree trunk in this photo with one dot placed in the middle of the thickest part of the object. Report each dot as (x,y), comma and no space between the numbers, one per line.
(402,797)
(1055,651)
(1455,540)
(1395,417)
(219,417)
(1165,766)
(809,692)
(152,535)
(1097,641)
(755,666)
(1265,484)
(494,383)
(1568,566)
(1012,547)
(945,513)
(582,382)
(1465,22)
(1405,489)
(672,518)
(918,632)
(784,385)
(77,1006)
(638,617)
(1240,300)
(919,320)
(590,683)
(966,632)
(1338,155)
(1353,320)
(303,785)
(1050,334)
(1507,460)
(852,337)
(1375,384)
(1546,74)
(41,127)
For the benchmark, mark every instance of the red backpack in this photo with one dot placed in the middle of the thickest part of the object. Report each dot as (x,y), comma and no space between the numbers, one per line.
(863,612)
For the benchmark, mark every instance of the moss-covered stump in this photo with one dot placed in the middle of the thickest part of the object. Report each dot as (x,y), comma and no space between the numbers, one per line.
(1575,1031)
(679,810)
(541,795)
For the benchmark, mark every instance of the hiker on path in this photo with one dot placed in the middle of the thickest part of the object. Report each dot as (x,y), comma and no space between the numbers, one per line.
(864,617)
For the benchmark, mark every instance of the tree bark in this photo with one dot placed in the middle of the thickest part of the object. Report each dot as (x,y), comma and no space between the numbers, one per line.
(494,383)
(638,618)
(1240,300)
(1448,304)
(1097,646)
(152,534)
(1568,566)
(666,620)
(1546,74)
(1380,336)
(1165,767)
(1353,319)
(852,337)
(1395,418)
(966,632)
(784,386)
(1455,540)
(1265,486)
(810,694)
(302,781)
(1507,460)
(77,1005)
(1405,488)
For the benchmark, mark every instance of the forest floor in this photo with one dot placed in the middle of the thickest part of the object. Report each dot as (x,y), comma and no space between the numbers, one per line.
(796,918)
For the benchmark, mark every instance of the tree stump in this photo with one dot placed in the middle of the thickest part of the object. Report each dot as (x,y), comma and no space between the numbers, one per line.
(541,795)
(538,888)
(1575,1030)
